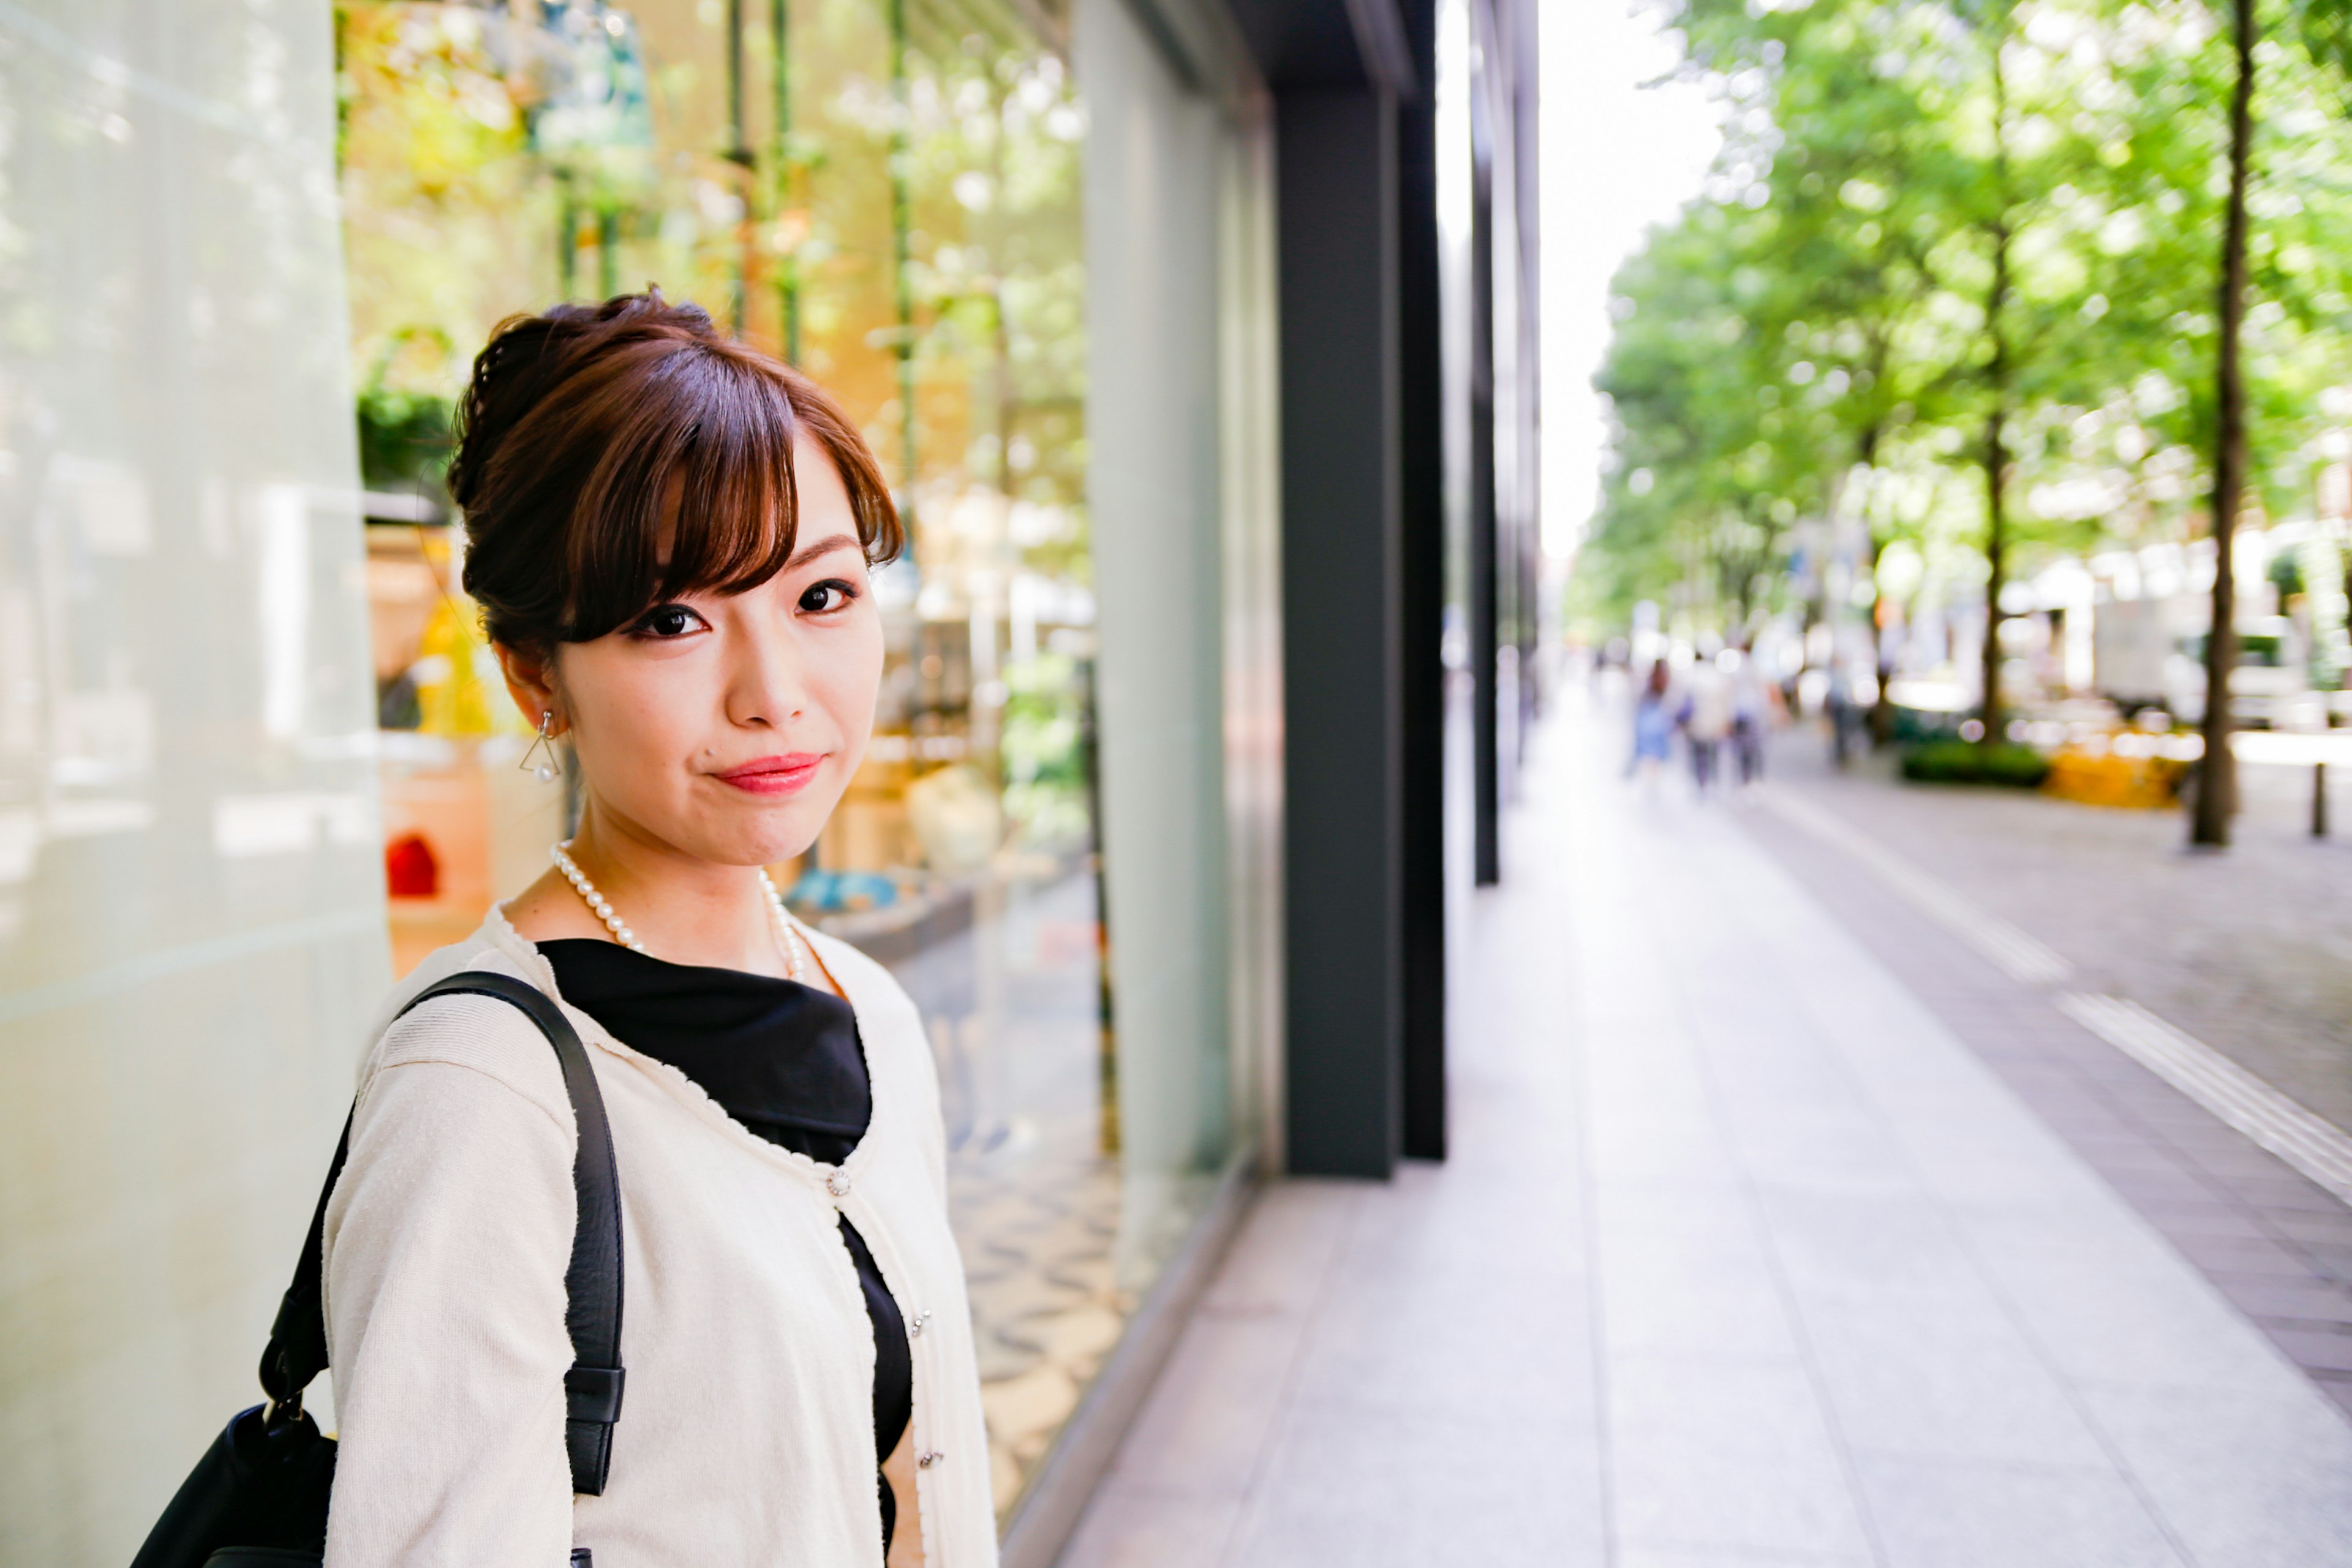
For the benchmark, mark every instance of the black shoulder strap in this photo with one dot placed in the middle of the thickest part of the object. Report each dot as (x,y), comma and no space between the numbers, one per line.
(298,1340)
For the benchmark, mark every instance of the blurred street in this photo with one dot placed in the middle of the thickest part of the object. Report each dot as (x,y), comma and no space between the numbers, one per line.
(1786,1226)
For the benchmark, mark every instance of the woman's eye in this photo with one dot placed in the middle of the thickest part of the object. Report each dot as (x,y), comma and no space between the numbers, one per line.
(830,594)
(664,621)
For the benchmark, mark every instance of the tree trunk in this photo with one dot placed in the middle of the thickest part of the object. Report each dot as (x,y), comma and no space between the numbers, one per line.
(1996,445)
(2217,775)
(1996,466)
(1882,712)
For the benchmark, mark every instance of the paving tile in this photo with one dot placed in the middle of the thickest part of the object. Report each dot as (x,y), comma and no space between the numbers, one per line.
(2244,1481)
(2168,1185)
(1684,1270)
(1408,1492)
(2290,1194)
(2084,1122)
(2111,1067)
(1899,1382)
(1649,1554)
(1941,1514)
(2327,1262)
(2322,1349)
(2296,1297)
(1881,1249)
(1124,1529)
(1477,1347)
(2208,1219)
(1219,1397)
(1283,1256)
(1730,1455)
(2298,1224)
(2134,1155)
(2234,1164)
(2127,1312)
(2211,1133)
(1829,1152)
(2004,1158)
(2059,1094)
(2044,1084)
(2242,1255)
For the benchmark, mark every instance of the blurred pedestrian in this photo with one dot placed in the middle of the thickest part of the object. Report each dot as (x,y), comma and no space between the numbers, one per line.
(1847,711)
(1706,719)
(1753,699)
(1654,727)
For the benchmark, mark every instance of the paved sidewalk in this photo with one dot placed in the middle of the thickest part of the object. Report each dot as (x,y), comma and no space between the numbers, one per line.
(2249,950)
(2192,1144)
(1743,1260)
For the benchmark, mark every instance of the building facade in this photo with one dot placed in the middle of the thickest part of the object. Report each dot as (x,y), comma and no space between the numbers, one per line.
(1186,385)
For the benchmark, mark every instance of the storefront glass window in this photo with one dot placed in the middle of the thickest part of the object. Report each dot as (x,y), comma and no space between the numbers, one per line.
(888,193)
(191,921)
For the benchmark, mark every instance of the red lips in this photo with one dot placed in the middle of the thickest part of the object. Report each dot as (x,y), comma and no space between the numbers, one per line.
(787,774)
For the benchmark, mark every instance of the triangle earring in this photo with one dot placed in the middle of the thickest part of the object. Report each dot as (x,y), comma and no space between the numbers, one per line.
(543,747)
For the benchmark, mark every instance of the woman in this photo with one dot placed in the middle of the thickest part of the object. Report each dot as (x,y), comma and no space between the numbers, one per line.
(1654,727)
(669,536)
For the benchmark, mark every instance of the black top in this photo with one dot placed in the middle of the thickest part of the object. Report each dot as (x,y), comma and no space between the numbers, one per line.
(782,1058)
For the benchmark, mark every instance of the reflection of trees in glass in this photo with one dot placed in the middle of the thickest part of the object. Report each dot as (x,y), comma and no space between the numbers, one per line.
(886,191)
(466,136)
(994,283)
(581,73)
(404,430)
(438,206)
(1045,786)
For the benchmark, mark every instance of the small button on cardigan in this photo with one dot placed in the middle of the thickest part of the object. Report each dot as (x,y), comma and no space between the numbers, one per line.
(745,1433)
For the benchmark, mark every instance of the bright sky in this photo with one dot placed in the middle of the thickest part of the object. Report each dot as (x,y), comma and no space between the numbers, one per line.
(1616,157)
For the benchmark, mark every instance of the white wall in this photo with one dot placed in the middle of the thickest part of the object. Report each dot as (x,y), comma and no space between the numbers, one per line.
(191,909)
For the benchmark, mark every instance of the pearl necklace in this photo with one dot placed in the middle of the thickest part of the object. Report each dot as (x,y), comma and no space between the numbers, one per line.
(795,946)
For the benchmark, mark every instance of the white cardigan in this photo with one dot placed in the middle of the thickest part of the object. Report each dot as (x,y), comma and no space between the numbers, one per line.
(745,1433)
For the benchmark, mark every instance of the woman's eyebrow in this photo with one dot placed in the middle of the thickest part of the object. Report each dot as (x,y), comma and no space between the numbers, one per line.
(809,552)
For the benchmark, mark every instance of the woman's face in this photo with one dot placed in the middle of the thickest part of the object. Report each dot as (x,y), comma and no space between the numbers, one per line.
(725,727)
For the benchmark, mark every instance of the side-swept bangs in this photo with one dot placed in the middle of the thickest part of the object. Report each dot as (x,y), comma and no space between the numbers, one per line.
(613,458)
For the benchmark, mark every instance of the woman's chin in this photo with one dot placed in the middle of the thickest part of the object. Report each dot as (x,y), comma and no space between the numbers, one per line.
(784,836)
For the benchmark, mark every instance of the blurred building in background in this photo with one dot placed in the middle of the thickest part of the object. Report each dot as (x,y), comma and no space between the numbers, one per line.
(1197,341)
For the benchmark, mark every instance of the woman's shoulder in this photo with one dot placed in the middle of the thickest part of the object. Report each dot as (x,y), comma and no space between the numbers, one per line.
(494,1039)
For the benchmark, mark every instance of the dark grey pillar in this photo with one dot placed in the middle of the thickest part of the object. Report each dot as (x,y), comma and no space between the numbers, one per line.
(1488,608)
(1422,433)
(1336,175)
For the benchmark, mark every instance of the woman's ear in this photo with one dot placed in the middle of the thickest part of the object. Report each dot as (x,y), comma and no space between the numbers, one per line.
(530,682)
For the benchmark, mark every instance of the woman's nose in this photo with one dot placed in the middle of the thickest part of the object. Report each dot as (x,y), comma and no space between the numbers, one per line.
(766,685)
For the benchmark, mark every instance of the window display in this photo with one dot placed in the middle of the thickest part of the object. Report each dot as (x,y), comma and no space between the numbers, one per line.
(886,193)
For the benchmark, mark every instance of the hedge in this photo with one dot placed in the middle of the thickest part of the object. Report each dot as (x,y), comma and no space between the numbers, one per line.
(1969,762)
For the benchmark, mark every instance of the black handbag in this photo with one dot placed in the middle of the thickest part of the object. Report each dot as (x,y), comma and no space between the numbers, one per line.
(259,1497)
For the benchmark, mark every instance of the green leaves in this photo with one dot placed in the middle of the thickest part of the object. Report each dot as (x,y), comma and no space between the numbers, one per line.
(1827,342)
(2323,30)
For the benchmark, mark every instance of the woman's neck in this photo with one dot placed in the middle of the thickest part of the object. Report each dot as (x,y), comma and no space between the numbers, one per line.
(679,908)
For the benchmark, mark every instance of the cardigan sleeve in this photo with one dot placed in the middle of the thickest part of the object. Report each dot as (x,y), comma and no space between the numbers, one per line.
(446,1241)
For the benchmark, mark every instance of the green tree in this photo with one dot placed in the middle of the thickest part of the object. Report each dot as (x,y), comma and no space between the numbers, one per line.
(2323,31)
(1968,236)
(2217,783)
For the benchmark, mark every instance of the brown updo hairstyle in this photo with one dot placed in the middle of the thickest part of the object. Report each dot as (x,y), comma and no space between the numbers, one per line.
(614,457)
